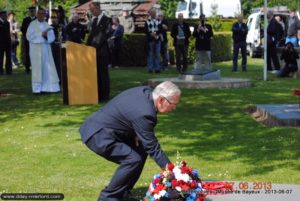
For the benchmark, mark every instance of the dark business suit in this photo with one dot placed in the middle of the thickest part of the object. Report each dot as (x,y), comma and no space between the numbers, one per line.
(24,27)
(110,132)
(182,48)
(239,35)
(5,47)
(273,30)
(98,38)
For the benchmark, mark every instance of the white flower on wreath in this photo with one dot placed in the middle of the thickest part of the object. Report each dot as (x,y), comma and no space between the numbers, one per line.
(179,176)
(160,194)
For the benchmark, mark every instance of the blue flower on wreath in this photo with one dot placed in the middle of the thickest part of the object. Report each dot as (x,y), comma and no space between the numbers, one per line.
(192,197)
(169,184)
(196,173)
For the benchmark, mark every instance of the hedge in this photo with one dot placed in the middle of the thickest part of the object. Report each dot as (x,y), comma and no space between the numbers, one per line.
(134,49)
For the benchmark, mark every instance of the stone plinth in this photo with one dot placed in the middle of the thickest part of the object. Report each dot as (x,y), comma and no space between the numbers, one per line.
(204,84)
(201,75)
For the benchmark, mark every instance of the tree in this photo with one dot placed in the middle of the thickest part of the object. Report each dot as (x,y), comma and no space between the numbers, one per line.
(169,7)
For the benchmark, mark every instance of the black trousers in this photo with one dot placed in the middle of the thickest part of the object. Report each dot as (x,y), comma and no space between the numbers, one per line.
(236,47)
(5,50)
(27,56)
(181,57)
(272,56)
(103,77)
(56,53)
(131,160)
(115,56)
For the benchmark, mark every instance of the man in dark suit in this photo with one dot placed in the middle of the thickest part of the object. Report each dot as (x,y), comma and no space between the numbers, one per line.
(5,44)
(98,37)
(273,31)
(181,34)
(239,35)
(123,132)
(25,24)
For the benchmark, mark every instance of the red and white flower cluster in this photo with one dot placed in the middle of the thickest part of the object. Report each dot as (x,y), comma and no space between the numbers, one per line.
(176,182)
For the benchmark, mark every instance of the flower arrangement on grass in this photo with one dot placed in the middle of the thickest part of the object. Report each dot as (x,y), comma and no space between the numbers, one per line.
(176,183)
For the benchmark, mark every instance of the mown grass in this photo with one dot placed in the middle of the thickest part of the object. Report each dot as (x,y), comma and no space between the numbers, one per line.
(41,150)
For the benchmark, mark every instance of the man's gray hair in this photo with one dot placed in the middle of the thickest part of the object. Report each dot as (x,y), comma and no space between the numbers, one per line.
(166,89)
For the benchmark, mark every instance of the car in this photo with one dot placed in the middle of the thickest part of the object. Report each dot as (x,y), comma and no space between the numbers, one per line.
(255,23)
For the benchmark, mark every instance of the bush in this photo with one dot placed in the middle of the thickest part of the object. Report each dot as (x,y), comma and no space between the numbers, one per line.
(134,49)
(221,45)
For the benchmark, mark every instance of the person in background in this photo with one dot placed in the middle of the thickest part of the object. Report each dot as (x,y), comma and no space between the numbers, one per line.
(203,33)
(44,75)
(290,56)
(5,44)
(127,21)
(273,31)
(164,40)
(181,34)
(239,35)
(75,31)
(100,32)
(115,42)
(281,32)
(123,132)
(60,37)
(14,38)
(25,24)
(293,32)
(62,19)
(153,31)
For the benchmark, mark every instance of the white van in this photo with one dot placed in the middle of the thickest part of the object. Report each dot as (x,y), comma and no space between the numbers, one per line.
(255,23)
(228,8)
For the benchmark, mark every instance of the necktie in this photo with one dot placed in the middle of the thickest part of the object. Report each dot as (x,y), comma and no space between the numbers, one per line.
(95,21)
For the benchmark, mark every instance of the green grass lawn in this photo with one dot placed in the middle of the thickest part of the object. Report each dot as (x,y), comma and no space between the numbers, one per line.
(41,150)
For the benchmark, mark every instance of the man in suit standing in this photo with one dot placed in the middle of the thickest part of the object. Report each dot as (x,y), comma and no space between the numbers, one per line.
(181,34)
(5,44)
(273,31)
(25,24)
(100,32)
(239,35)
(123,132)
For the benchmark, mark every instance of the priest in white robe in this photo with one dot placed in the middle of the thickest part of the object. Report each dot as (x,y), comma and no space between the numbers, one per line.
(44,75)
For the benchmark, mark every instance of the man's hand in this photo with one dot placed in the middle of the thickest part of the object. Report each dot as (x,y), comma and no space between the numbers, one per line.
(44,34)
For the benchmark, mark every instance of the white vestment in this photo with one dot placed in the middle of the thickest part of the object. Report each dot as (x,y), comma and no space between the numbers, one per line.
(44,75)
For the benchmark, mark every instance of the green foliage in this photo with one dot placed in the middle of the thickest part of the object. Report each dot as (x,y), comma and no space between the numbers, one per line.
(169,7)
(248,5)
(221,48)
(20,6)
(134,49)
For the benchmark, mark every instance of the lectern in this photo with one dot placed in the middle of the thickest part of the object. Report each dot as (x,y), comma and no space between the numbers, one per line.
(80,75)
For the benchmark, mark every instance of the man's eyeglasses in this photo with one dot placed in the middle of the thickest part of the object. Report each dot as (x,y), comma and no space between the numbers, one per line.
(171,103)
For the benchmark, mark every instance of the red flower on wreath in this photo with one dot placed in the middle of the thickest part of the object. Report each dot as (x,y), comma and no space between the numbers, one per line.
(156,181)
(186,170)
(171,166)
(174,183)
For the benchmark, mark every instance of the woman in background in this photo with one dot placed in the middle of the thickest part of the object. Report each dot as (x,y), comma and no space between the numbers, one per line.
(115,42)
